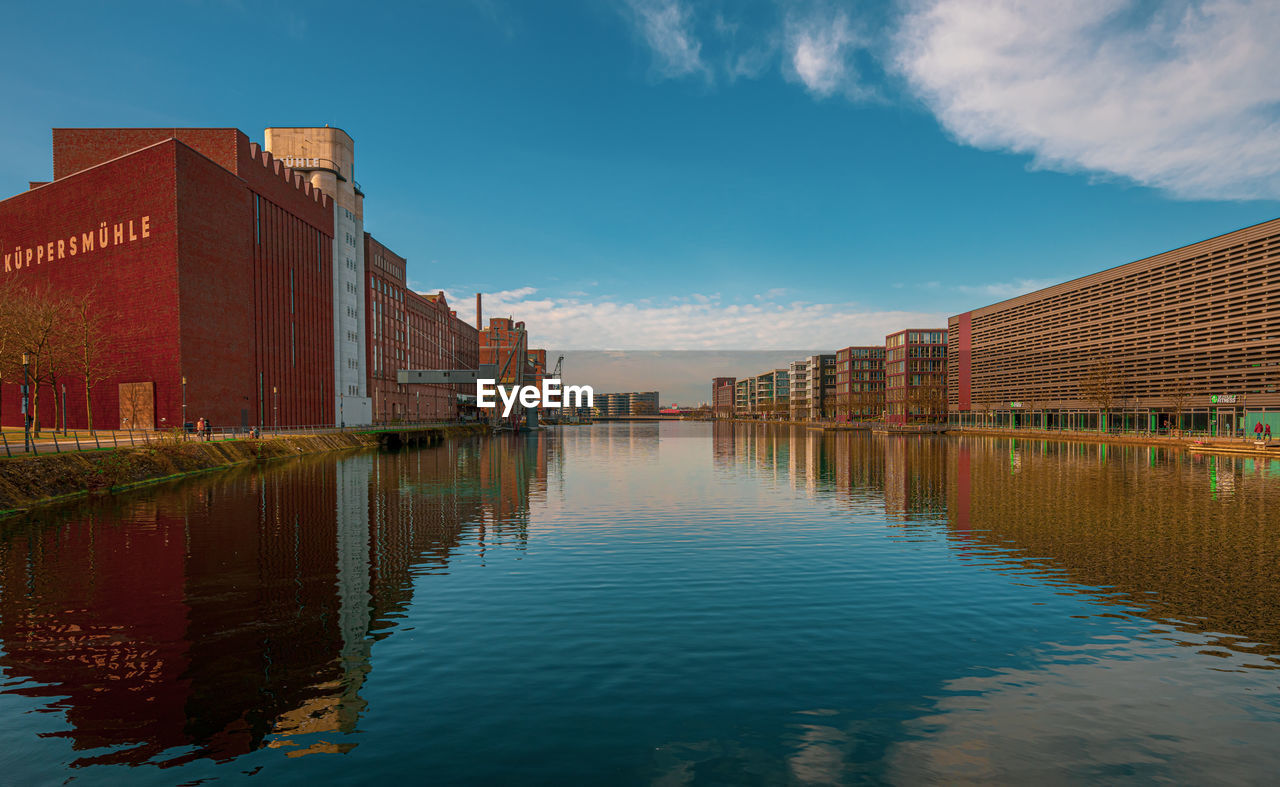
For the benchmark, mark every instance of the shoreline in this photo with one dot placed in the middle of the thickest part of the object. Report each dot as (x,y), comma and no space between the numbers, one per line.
(1223,445)
(29,482)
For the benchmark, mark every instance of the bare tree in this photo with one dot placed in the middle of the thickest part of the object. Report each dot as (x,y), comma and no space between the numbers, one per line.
(983,409)
(91,362)
(8,329)
(1179,393)
(1099,387)
(1030,405)
(41,321)
(930,399)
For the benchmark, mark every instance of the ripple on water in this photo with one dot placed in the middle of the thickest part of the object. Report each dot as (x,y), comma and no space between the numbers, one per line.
(681,603)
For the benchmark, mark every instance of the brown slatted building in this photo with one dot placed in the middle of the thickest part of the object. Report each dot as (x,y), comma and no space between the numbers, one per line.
(1190,335)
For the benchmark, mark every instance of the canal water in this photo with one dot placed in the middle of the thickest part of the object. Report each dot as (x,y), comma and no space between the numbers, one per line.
(674,603)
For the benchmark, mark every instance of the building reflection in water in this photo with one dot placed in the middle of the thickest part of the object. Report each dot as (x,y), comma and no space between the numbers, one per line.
(903,478)
(214,617)
(1191,541)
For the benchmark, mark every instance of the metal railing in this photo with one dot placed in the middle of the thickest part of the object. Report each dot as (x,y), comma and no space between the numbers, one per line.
(50,441)
(1176,434)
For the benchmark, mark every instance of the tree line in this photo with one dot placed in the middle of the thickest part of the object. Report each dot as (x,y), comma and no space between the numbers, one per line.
(63,338)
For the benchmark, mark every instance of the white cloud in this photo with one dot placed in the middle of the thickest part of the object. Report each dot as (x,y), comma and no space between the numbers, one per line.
(1181,95)
(1001,290)
(819,48)
(696,322)
(667,26)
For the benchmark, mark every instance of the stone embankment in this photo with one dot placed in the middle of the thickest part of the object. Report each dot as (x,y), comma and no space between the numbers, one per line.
(27,481)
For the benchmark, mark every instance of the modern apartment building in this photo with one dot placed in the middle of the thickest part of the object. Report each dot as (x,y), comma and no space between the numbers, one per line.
(772,392)
(820,385)
(744,396)
(915,372)
(722,390)
(1189,338)
(859,383)
(642,402)
(798,394)
(628,403)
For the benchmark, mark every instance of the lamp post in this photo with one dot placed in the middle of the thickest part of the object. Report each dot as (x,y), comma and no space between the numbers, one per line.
(275,406)
(184,407)
(342,422)
(64,409)
(26,402)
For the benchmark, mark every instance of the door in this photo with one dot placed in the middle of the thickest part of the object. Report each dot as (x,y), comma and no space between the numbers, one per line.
(137,405)
(1226,423)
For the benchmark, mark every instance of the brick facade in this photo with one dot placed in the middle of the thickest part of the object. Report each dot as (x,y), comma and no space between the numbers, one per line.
(915,376)
(409,330)
(216,267)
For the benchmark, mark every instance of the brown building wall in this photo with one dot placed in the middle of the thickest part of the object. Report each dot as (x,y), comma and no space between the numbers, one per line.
(1197,321)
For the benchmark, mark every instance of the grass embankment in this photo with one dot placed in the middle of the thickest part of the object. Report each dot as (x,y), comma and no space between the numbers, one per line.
(32,480)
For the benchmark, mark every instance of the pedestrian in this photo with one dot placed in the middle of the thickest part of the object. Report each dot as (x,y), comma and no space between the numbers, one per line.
(1257,429)
(208,429)
(199,426)
(1267,433)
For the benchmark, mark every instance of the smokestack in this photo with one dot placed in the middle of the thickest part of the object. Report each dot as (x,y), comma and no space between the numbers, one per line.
(479,317)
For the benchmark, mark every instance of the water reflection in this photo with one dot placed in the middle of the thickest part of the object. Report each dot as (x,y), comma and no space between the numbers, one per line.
(672,603)
(1193,541)
(216,617)
(1173,559)
(1188,540)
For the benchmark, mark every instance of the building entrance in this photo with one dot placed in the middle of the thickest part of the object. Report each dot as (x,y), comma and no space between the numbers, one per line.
(1226,423)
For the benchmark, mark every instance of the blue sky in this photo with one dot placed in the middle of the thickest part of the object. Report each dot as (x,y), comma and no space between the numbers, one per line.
(665,174)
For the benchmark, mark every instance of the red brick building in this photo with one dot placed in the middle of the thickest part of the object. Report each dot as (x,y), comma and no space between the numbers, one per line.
(915,370)
(860,383)
(204,257)
(722,396)
(505,343)
(409,330)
